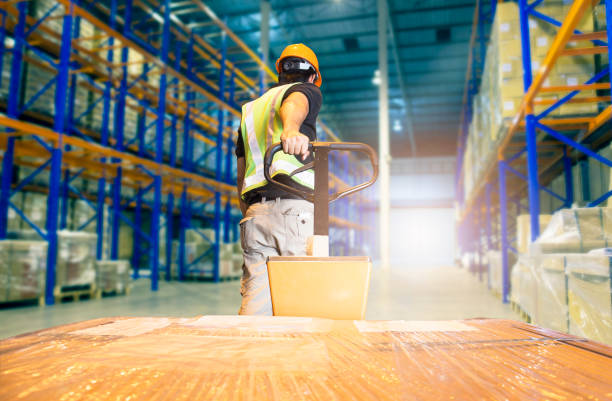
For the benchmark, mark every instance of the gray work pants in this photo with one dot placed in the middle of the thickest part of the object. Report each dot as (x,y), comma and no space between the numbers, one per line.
(278,227)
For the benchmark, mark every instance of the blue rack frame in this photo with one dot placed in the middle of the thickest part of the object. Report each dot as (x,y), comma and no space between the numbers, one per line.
(173,96)
(510,180)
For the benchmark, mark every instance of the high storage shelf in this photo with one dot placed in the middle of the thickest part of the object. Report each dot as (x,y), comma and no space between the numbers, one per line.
(126,107)
(535,148)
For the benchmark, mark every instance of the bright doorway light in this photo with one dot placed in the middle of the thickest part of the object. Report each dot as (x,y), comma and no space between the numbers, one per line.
(376,78)
(397,126)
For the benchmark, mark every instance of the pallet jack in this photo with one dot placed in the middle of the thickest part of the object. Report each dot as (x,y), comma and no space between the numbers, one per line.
(318,285)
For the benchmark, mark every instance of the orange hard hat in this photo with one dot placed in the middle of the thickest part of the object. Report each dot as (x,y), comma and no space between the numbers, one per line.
(302,51)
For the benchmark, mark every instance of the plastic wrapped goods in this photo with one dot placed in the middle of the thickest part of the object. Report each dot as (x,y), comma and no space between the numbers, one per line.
(273,358)
(576,231)
(113,275)
(22,269)
(523,230)
(76,255)
(590,295)
(550,292)
(495,271)
(524,285)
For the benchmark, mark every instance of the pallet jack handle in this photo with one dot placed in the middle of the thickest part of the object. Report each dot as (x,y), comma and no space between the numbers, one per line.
(320,195)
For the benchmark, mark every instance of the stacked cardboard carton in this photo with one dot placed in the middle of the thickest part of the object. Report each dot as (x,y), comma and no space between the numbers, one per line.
(589,293)
(22,270)
(76,255)
(113,276)
(502,88)
(564,282)
(226,358)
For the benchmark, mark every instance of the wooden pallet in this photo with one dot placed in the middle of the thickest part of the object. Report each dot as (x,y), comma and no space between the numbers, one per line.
(75,293)
(112,293)
(40,301)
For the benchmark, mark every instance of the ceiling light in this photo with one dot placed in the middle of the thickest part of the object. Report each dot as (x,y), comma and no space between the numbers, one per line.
(397,126)
(376,78)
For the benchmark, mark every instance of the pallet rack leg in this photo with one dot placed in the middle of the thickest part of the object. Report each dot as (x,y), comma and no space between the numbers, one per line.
(169,232)
(219,162)
(59,125)
(530,131)
(569,179)
(488,227)
(503,212)
(12,111)
(609,29)
(136,257)
(184,221)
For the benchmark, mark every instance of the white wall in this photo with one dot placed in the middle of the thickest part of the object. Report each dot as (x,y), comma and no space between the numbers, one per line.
(422,217)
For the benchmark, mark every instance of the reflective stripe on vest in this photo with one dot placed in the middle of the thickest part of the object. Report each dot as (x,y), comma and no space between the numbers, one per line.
(261,126)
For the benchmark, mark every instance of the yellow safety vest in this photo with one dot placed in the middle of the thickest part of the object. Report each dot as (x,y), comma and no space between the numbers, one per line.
(261,126)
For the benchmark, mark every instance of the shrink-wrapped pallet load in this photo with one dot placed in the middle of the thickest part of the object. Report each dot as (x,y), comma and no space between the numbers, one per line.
(523,230)
(113,276)
(550,292)
(495,271)
(76,256)
(576,230)
(523,283)
(285,358)
(590,295)
(22,270)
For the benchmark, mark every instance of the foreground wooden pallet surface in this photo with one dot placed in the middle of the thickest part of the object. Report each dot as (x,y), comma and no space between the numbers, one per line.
(284,358)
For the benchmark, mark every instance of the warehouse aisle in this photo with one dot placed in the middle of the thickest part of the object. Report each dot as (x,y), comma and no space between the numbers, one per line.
(410,294)
(432,293)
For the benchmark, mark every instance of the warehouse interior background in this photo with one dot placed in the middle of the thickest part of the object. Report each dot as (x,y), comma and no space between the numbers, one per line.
(491,121)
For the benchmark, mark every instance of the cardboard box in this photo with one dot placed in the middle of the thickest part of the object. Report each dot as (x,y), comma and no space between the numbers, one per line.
(590,296)
(551,294)
(287,358)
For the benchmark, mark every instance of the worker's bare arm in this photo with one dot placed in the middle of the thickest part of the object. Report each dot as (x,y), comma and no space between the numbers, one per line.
(293,112)
(241,166)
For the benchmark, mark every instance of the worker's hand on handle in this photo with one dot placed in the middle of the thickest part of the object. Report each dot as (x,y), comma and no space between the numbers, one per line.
(295,143)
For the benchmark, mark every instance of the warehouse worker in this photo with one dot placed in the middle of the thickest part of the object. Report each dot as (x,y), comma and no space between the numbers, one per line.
(276,223)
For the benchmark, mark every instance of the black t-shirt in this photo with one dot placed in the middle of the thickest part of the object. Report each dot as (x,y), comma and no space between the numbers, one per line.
(308,128)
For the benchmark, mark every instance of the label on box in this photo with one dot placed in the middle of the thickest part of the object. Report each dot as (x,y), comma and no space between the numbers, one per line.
(532,24)
(509,105)
(505,27)
(506,67)
(535,65)
(542,41)
(572,81)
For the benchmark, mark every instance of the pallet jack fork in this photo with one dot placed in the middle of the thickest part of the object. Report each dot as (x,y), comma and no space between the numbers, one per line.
(318,285)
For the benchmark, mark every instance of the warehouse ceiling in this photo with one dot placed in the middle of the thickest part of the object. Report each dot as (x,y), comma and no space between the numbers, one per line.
(431,36)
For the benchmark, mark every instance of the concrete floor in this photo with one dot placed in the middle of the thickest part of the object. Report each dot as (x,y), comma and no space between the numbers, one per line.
(409,294)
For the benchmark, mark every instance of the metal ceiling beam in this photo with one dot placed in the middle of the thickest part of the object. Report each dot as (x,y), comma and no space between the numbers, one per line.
(285,6)
(410,60)
(406,73)
(373,33)
(469,6)
(362,99)
(399,74)
(368,88)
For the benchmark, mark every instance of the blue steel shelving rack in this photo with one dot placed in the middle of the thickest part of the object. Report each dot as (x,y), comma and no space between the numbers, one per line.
(531,147)
(170,91)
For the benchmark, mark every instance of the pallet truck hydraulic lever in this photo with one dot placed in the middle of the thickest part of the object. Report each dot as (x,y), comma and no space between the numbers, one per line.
(320,196)
(318,285)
